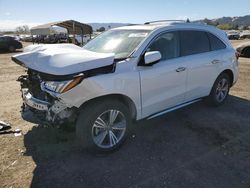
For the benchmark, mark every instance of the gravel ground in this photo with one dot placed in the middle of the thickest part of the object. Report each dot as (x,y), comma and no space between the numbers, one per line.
(197,146)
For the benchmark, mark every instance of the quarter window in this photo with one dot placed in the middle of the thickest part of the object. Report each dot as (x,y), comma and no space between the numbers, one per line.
(194,42)
(167,44)
(215,42)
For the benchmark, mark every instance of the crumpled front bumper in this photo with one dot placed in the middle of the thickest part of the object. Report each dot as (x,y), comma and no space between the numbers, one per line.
(55,113)
(33,102)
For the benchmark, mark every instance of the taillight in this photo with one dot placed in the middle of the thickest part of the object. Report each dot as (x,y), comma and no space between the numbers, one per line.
(237,55)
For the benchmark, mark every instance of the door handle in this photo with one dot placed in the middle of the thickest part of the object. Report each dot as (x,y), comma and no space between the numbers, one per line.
(181,69)
(216,61)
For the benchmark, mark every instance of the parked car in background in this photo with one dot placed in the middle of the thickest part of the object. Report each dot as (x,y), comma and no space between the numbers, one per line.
(244,49)
(127,74)
(26,38)
(245,35)
(233,35)
(9,43)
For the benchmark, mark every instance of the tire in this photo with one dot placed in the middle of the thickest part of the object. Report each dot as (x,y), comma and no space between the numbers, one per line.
(95,130)
(246,52)
(12,49)
(220,90)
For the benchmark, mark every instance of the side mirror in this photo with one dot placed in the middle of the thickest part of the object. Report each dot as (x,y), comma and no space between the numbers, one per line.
(152,57)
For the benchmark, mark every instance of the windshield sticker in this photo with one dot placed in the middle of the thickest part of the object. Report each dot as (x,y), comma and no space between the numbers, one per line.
(136,35)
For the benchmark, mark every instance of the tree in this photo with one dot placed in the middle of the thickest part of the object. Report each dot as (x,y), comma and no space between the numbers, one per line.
(22,29)
(101,29)
(225,26)
(210,22)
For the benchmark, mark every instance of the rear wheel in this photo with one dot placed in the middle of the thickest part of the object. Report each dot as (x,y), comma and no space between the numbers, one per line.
(219,91)
(103,126)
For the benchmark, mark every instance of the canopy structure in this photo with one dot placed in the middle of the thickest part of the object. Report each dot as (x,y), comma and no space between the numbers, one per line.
(73,27)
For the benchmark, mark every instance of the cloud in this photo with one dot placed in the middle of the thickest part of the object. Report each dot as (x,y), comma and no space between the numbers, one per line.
(11,25)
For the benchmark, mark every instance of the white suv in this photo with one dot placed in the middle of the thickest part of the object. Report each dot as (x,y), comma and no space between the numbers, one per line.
(126,74)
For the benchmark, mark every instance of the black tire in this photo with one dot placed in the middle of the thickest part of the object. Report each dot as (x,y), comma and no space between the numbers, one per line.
(246,52)
(12,49)
(212,99)
(88,116)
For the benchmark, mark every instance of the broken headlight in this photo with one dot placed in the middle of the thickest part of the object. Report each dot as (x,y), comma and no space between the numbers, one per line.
(61,86)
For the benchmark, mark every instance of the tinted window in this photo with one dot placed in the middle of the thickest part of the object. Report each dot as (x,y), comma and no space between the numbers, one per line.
(194,42)
(215,42)
(167,44)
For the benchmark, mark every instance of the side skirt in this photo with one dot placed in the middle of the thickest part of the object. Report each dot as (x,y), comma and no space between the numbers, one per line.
(172,109)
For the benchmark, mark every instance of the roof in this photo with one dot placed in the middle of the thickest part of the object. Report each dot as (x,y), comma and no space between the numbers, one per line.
(157,25)
(138,27)
(72,26)
(178,25)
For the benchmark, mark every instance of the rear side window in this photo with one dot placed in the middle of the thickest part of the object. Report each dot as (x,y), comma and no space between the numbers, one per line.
(215,42)
(194,42)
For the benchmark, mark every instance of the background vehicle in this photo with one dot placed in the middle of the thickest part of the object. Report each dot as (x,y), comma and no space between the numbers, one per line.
(233,35)
(9,43)
(244,49)
(127,74)
(245,35)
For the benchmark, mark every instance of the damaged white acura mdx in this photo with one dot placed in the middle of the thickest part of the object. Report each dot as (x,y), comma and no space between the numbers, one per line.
(126,74)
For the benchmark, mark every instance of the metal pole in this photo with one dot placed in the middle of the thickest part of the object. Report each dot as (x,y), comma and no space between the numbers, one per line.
(82,35)
(74,34)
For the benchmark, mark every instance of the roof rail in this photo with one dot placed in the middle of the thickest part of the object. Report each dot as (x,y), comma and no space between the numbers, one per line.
(167,21)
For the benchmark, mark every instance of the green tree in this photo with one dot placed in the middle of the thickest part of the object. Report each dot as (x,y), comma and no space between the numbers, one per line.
(225,26)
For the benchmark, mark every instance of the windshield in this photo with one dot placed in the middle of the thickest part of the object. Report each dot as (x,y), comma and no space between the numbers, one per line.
(120,42)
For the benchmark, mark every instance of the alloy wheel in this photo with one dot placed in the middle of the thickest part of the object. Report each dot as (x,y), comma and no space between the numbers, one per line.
(109,129)
(222,90)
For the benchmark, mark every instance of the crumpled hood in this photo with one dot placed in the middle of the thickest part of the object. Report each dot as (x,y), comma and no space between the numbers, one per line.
(62,59)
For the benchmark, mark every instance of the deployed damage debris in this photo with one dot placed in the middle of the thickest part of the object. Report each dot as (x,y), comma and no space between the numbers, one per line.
(4,126)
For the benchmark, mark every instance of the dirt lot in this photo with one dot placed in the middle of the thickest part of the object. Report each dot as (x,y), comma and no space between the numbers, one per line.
(197,146)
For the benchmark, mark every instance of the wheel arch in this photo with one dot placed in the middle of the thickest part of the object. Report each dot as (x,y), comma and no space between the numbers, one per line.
(127,101)
(230,73)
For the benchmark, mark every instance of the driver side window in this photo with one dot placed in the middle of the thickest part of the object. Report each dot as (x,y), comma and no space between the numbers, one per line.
(167,44)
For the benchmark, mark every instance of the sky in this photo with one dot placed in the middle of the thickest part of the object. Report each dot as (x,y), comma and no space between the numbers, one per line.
(14,13)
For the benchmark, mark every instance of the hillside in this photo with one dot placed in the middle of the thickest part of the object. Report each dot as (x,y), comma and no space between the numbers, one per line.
(235,21)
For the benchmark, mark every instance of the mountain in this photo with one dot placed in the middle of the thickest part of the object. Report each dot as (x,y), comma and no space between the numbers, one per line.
(239,20)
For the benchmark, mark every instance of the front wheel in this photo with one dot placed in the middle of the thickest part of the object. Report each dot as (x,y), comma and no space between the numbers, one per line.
(103,126)
(219,91)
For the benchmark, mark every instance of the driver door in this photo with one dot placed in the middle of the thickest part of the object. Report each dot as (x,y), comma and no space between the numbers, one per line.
(163,85)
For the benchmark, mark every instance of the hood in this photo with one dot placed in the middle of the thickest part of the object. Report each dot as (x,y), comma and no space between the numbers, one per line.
(62,59)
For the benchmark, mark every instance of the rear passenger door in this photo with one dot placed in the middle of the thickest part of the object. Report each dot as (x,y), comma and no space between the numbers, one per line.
(201,62)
